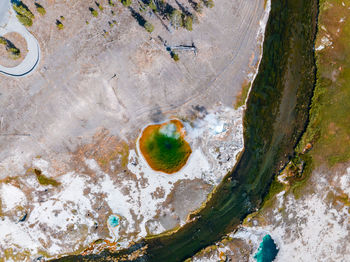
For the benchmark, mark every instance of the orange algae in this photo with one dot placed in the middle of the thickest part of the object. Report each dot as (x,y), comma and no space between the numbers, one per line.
(164,147)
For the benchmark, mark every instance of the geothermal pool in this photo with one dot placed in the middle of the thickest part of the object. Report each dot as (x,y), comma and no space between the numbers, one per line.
(164,146)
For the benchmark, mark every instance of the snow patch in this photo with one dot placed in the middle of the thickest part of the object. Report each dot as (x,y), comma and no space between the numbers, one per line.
(11,197)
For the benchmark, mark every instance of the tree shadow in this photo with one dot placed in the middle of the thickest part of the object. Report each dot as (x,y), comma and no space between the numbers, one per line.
(183,9)
(17,2)
(9,46)
(20,4)
(193,4)
(139,18)
(168,9)
(163,9)
(146,2)
(97,4)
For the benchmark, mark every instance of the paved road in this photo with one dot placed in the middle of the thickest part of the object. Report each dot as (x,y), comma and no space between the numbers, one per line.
(32,58)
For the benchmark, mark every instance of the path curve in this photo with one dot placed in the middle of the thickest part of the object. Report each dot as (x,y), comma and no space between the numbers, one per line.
(33,56)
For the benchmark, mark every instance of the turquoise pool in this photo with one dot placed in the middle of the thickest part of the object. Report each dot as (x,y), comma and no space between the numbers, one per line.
(267,250)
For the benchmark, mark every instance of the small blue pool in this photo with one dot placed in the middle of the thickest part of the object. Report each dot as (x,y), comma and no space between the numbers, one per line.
(113,220)
(267,250)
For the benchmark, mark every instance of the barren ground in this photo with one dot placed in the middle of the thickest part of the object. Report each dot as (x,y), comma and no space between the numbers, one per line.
(5,58)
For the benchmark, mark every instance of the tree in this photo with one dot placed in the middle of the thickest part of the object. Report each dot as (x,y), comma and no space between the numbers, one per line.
(23,14)
(209,3)
(174,56)
(3,41)
(23,10)
(149,27)
(15,52)
(99,6)
(24,20)
(41,10)
(126,2)
(176,18)
(152,5)
(198,7)
(93,12)
(59,25)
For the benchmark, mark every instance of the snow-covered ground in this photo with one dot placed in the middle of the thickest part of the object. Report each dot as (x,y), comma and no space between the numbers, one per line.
(9,23)
(64,219)
(314,227)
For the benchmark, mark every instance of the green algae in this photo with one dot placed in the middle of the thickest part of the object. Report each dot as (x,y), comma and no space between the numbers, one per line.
(164,148)
(44,180)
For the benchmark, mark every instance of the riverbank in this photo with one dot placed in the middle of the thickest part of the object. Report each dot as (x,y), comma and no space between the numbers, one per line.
(314,197)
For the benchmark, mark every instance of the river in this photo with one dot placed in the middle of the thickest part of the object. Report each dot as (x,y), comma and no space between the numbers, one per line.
(275,118)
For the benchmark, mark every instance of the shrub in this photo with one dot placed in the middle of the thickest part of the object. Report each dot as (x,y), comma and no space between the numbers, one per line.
(41,10)
(149,27)
(26,21)
(3,41)
(110,3)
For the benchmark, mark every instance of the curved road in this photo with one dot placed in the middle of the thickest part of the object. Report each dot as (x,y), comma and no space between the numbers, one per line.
(13,25)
